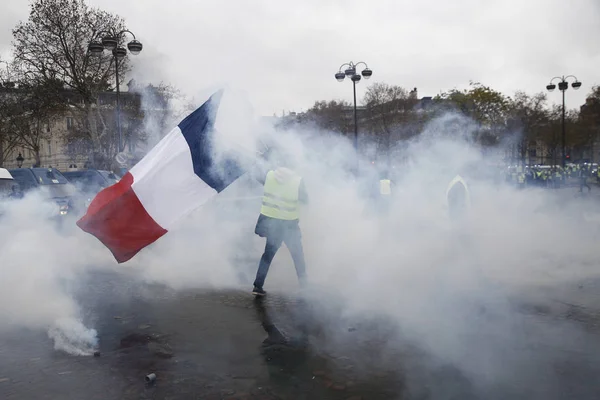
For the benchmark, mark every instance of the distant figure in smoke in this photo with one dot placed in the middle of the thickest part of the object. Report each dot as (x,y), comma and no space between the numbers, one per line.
(278,220)
(15,193)
(385,191)
(459,198)
(584,174)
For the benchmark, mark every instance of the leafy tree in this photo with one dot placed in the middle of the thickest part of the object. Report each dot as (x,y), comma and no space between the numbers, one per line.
(488,107)
(334,116)
(576,137)
(528,122)
(391,115)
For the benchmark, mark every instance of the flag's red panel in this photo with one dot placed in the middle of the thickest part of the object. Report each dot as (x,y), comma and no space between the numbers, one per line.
(118,219)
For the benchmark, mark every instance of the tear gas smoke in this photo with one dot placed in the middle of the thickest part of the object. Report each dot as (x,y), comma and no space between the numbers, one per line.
(426,275)
(73,337)
(39,266)
(423,274)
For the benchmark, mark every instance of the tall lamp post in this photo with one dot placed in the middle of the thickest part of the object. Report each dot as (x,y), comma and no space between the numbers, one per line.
(351,72)
(20,160)
(110,40)
(563,85)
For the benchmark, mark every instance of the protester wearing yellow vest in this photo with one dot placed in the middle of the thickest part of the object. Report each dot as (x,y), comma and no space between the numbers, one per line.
(284,191)
(458,197)
(385,193)
(385,187)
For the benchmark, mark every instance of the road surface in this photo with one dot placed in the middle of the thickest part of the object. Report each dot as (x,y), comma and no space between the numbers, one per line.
(227,345)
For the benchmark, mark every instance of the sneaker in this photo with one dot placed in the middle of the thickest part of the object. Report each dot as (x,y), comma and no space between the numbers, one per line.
(258,291)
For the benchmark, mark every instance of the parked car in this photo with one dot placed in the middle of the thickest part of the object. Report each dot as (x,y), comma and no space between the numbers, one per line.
(51,183)
(9,189)
(91,181)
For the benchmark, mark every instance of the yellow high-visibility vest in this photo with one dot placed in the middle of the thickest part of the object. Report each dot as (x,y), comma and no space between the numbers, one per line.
(280,199)
(458,180)
(385,187)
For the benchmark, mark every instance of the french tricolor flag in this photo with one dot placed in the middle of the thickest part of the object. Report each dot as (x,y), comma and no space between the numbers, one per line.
(177,176)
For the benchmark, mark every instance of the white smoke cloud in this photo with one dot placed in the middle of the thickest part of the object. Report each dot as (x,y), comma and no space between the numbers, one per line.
(40,263)
(71,336)
(451,289)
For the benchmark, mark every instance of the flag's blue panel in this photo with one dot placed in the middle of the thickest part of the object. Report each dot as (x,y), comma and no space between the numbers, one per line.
(198,130)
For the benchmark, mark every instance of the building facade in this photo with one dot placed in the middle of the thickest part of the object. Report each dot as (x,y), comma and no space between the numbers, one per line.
(57,147)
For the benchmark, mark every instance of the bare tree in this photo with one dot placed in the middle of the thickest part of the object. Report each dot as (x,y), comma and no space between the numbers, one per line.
(52,45)
(162,107)
(590,118)
(8,140)
(36,106)
(333,115)
(391,115)
(528,121)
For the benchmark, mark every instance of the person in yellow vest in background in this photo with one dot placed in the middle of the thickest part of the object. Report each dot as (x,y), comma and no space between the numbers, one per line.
(458,198)
(385,191)
(521,180)
(278,221)
(385,187)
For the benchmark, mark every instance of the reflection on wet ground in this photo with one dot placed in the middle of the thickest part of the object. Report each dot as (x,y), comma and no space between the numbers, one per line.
(297,370)
(229,345)
(200,344)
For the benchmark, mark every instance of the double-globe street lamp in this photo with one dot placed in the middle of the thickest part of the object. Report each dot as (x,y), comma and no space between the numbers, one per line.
(563,85)
(351,72)
(110,40)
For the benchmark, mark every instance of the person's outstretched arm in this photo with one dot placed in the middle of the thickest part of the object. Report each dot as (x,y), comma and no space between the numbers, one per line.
(259,172)
(302,194)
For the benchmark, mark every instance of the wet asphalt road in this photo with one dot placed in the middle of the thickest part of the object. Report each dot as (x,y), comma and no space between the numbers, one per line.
(207,344)
(227,345)
(201,345)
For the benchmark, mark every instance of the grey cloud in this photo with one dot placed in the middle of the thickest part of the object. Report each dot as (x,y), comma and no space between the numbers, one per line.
(285,53)
(11,11)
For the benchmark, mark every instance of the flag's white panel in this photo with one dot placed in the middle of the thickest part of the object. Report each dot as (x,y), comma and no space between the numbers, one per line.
(236,124)
(165,182)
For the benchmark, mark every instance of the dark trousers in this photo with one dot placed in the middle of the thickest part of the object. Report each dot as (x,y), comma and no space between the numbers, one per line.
(583,183)
(293,240)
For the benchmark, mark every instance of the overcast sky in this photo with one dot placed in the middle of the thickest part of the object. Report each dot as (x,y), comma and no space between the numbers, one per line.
(284,53)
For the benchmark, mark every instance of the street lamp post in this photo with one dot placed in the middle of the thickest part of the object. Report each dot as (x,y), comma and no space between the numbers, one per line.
(350,71)
(563,85)
(20,160)
(110,40)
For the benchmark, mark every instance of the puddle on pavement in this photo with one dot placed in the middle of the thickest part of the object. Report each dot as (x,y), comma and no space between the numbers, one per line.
(296,370)
(285,365)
